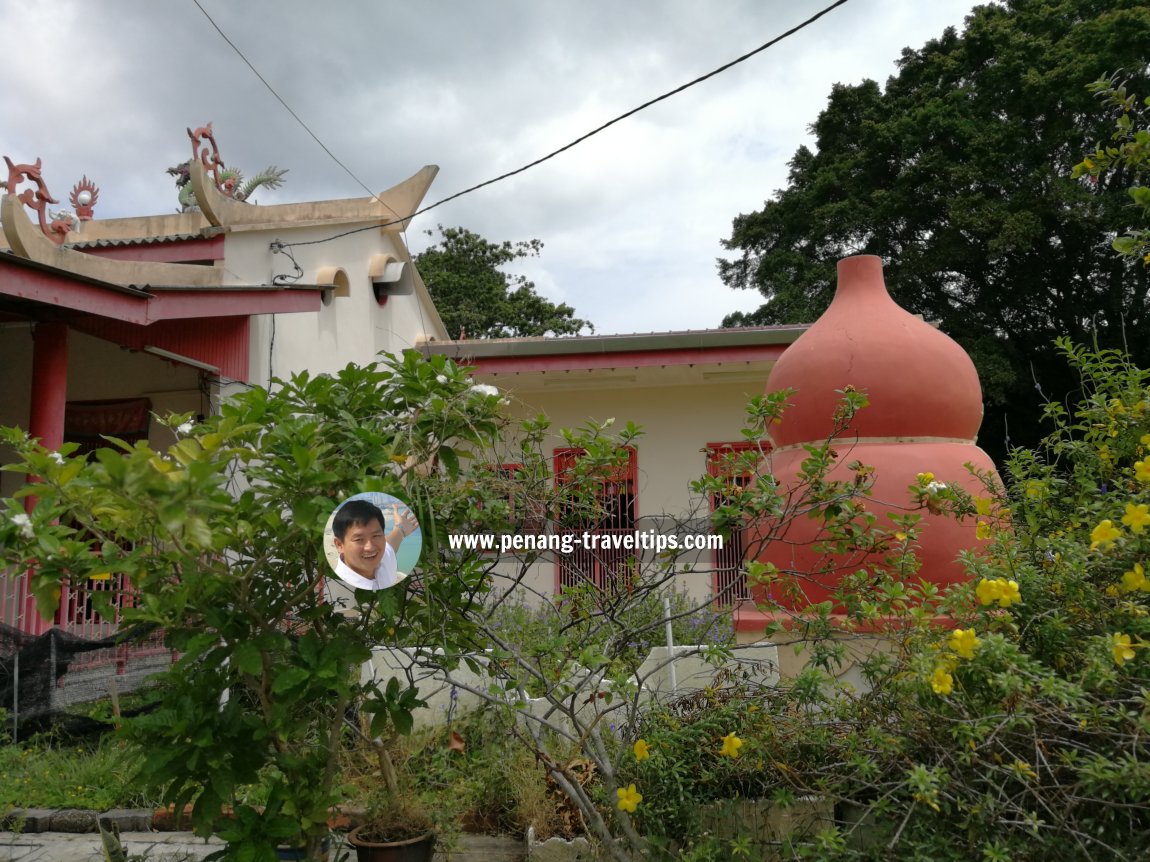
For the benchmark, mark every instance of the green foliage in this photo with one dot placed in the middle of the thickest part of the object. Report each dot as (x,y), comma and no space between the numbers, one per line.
(221,537)
(958,173)
(487,780)
(43,773)
(464,276)
(578,619)
(1126,160)
(1007,718)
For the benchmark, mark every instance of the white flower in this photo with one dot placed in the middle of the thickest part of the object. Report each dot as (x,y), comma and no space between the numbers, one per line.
(57,457)
(440,378)
(184,427)
(484,389)
(24,523)
(935,487)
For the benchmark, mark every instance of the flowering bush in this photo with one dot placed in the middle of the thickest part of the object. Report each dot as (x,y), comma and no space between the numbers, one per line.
(1016,729)
(220,538)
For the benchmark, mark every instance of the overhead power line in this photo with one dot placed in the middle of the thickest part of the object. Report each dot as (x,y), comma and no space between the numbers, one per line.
(740,59)
(280,99)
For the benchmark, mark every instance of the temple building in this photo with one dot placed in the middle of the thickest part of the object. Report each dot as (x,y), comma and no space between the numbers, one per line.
(107,322)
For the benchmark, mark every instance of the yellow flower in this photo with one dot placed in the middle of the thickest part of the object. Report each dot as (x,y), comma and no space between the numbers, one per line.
(1142,470)
(641,750)
(1000,590)
(1104,534)
(629,798)
(941,681)
(988,591)
(925,478)
(1112,591)
(731,745)
(982,530)
(1025,769)
(1122,649)
(1144,439)
(982,505)
(1137,517)
(901,536)
(964,642)
(1135,580)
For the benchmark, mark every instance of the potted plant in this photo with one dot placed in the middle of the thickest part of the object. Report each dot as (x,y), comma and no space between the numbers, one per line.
(399,826)
(397,830)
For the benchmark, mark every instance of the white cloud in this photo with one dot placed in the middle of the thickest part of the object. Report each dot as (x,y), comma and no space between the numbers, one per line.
(631,219)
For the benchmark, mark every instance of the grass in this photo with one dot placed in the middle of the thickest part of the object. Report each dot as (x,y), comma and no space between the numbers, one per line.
(42,774)
(493,785)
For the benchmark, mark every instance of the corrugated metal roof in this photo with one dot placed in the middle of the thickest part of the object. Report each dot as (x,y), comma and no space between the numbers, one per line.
(143,240)
(739,336)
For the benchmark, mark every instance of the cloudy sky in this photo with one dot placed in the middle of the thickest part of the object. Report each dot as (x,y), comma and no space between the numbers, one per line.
(631,220)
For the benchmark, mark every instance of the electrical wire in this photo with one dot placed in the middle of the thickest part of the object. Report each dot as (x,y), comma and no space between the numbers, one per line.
(280,99)
(723,68)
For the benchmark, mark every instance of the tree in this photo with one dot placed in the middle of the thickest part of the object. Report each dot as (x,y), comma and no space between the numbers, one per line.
(959,175)
(475,297)
(219,538)
(1128,153)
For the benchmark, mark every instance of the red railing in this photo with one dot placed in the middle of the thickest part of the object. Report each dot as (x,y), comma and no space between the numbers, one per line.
(79,615)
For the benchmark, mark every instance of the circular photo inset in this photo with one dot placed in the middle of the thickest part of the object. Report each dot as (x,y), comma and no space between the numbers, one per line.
(372,541)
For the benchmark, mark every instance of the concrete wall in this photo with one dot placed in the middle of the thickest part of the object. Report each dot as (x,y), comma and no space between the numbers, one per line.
(351,328)
(678,422)
(658,679)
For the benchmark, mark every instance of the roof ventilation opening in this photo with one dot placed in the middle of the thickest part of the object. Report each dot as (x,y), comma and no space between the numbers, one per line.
(335,281)
(389,277)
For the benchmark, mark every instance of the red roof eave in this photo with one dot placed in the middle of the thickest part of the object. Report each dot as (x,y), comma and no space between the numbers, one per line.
(45,286)
(221,302)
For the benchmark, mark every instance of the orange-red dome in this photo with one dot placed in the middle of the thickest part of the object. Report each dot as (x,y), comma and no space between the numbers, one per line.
(924,413)
(920,383)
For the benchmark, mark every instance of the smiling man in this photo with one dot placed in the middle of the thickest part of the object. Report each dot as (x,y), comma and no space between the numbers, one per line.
(366,548)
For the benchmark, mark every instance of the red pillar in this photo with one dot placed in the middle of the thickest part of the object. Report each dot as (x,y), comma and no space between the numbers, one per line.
(49,383)
(46,421)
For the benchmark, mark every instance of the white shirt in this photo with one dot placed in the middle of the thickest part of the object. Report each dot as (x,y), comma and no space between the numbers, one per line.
(386,573)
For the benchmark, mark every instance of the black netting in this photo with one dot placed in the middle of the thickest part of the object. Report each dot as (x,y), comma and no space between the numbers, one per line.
(32,668)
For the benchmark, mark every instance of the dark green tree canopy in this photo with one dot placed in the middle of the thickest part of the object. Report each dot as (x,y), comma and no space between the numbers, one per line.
(462,273)
(958,175)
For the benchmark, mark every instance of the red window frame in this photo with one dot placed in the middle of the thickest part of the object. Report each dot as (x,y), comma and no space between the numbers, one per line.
(728,581)
(535,518)
(605,569)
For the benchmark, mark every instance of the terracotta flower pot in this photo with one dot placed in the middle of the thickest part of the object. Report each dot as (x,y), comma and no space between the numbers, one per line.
(418,849)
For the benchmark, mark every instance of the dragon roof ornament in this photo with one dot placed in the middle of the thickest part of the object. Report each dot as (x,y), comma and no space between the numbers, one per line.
(37,199)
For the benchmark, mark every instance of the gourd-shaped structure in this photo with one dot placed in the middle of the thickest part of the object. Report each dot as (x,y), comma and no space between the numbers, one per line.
(924,412)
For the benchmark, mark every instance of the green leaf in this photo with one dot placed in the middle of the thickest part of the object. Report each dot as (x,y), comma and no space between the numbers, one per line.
(47,594)
(450,460)
(70,471)
(247,659)
(1125,245)
(290,679)
(403,720)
